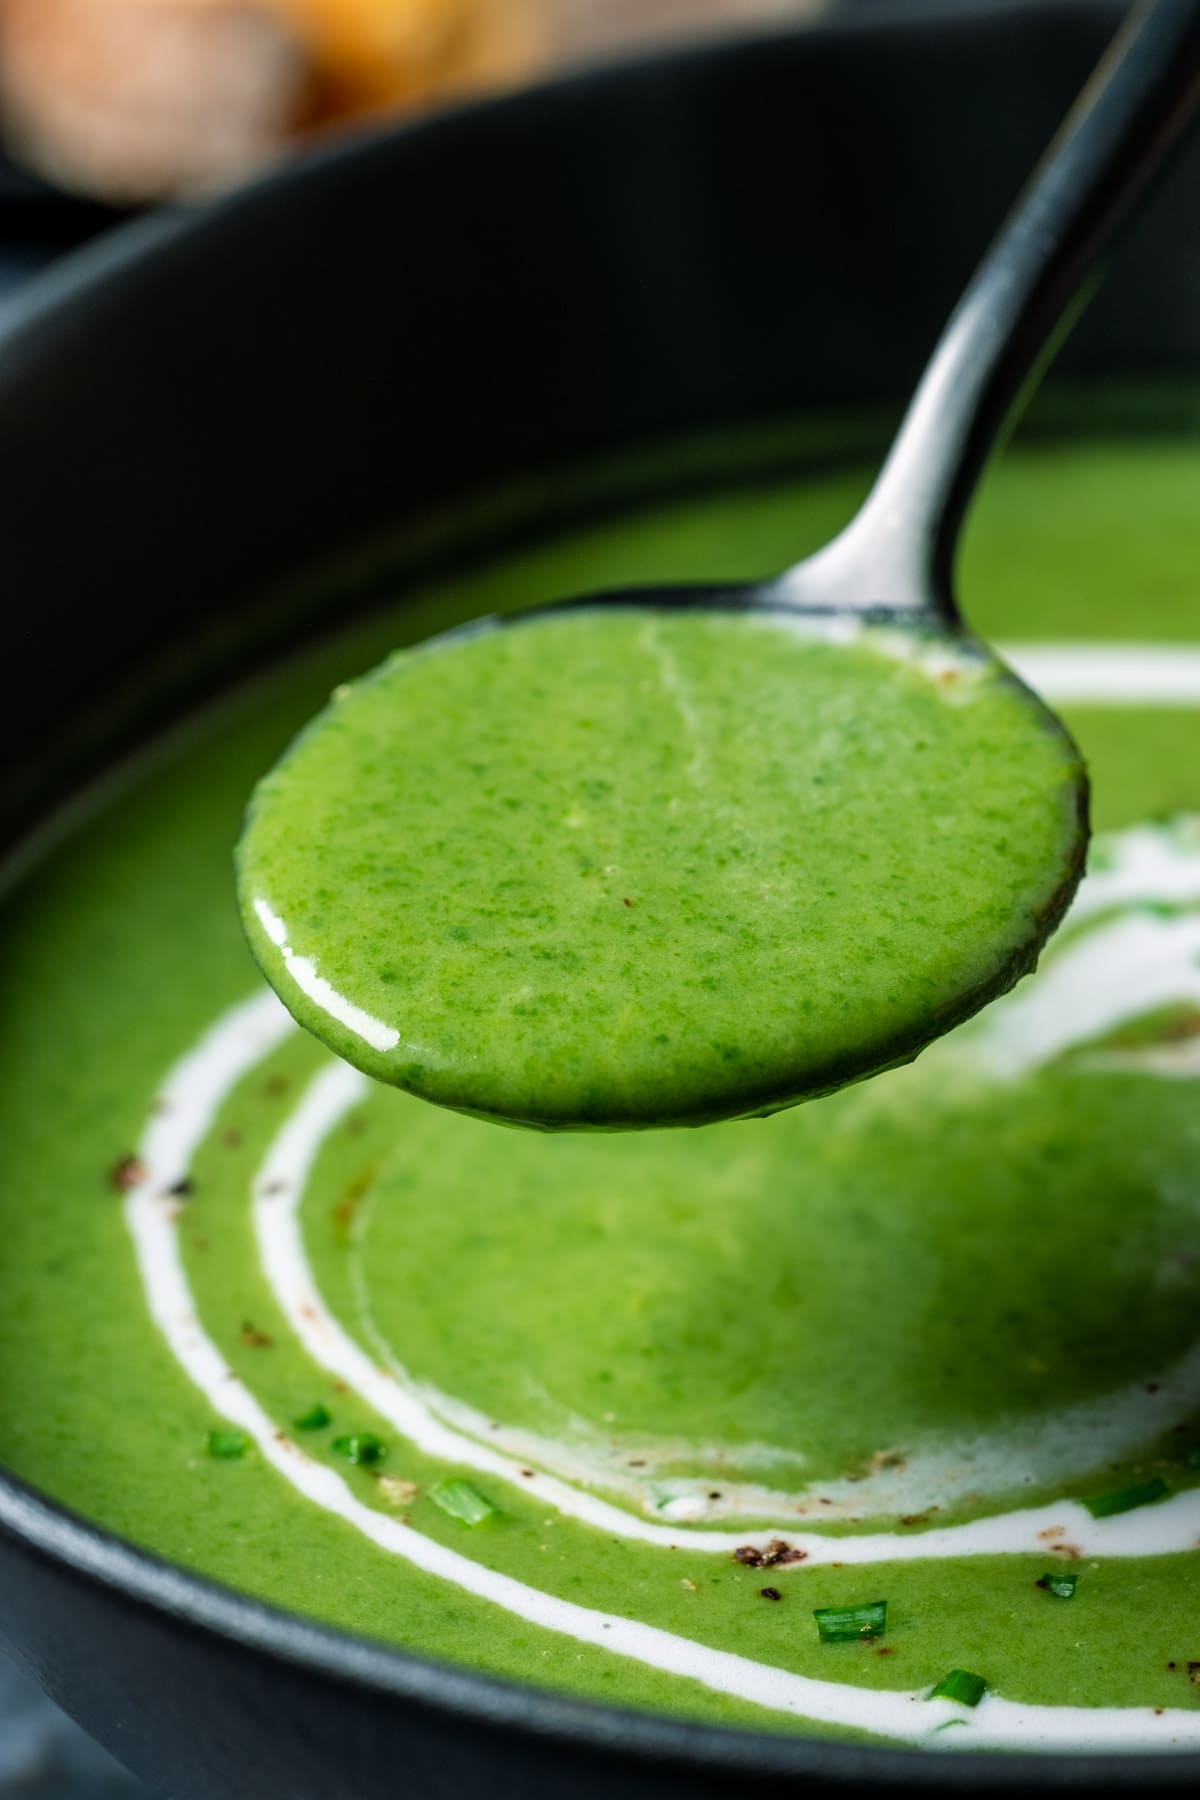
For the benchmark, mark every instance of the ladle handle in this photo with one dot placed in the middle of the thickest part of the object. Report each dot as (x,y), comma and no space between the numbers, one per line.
(1115,139)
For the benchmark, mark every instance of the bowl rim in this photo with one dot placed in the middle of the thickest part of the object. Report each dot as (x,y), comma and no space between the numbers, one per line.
(41,1527)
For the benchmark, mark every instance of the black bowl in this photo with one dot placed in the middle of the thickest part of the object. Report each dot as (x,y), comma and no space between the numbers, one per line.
(207,405)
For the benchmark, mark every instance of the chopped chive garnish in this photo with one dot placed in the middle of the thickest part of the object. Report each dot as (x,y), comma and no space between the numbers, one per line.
(960,1686)
(848,1624)
(363,1447)
(1103,1506)
(462,1501)
(315,1419)
(227,1446)
(1059,1583)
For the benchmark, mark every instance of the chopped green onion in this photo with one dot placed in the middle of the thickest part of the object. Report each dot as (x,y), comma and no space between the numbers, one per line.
(227,1446)
(315,1419)
(960,1686)
(849,1624)
(1192,1459)
(462,1501)
(1103,1506)
(1059,1583)
(363,1447)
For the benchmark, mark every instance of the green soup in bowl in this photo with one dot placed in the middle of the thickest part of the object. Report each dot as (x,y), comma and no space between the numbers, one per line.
(876,1419)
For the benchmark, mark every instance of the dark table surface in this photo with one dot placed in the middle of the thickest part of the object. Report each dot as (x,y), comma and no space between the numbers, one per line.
(43,1756)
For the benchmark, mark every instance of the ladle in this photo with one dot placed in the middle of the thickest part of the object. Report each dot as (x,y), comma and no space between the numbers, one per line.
(738,868)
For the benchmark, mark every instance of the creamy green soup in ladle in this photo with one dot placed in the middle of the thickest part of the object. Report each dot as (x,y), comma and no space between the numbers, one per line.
(682,855)
(628,866)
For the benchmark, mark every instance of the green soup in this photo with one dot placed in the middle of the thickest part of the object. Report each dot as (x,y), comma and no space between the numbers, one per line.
(621,1415)
(647,867)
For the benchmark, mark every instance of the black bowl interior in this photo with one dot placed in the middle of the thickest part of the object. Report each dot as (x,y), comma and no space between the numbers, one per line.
(207,407)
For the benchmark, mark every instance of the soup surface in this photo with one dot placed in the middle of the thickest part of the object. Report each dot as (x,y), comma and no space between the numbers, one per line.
(619,1415)
(640,867)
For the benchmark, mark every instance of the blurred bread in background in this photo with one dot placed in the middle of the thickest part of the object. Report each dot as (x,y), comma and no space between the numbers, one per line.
(142,100)
(138,100)
(117,97)
(374,54)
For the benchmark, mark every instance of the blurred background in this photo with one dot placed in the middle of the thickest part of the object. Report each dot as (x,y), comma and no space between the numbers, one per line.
(129,101)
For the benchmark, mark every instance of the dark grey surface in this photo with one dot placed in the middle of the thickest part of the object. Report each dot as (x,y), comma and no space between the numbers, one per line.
(43,1756)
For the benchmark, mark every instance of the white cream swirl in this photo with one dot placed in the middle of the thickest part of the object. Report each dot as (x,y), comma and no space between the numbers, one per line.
(198,1085)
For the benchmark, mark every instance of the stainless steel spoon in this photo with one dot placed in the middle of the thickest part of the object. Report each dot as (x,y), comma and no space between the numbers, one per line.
(892,566)
(896,557)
